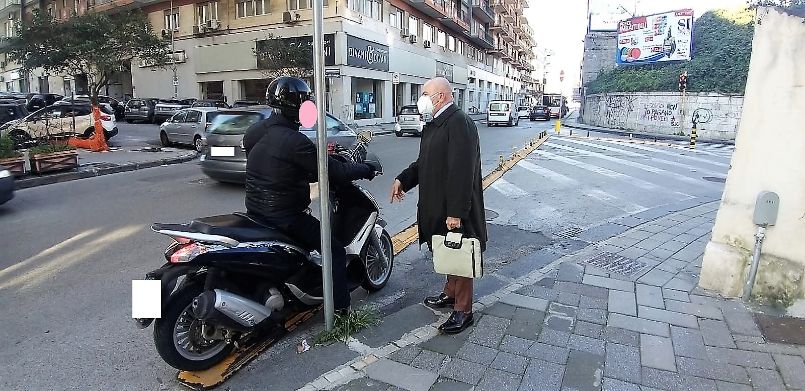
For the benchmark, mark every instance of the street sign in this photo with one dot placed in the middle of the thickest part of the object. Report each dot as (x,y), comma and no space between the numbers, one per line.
(332,72)
(395,78)
(176,82)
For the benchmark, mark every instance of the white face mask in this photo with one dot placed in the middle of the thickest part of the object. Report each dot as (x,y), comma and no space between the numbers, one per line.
(425,106)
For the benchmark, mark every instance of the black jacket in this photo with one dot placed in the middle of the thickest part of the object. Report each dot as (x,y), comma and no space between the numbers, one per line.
(448,173)
(280,165)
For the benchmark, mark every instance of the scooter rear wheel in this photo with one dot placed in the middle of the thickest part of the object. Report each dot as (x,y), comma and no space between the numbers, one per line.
(377,272)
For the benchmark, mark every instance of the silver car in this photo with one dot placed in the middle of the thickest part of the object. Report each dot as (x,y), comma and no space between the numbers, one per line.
(225,158)
(188,126)
(166,108)
(409,121)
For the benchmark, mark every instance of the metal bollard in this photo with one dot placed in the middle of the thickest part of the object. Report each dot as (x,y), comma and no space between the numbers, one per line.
(693,137)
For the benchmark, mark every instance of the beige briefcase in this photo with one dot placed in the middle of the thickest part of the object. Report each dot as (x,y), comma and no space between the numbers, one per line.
(456,255)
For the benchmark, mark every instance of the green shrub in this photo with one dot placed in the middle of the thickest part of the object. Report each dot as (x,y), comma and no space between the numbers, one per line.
(7,148)
(50,148)
(722,46)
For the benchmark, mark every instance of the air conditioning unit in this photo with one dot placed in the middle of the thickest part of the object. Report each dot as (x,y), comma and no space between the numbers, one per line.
(199,29)
(290,17)
(213,24)
(427,44)
(166,33)
(404,33)
(412,38)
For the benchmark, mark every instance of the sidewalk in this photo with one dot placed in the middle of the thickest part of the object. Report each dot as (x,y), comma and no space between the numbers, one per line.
(621,314)
(572,122)
(119,159)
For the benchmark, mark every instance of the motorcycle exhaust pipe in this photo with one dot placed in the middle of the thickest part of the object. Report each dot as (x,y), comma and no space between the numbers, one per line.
(229,310)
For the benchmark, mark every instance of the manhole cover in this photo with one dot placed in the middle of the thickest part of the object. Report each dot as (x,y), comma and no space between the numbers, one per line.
(491,215)
(615,263)
(569,233)
(715,179)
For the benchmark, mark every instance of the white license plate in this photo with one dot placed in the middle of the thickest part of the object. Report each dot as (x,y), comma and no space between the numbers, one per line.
(498,114)
(222,151)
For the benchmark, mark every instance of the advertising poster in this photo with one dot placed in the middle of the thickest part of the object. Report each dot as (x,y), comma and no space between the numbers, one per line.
(656,38)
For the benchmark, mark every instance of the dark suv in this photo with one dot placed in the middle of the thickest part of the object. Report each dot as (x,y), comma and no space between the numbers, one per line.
(141,109)
(539,112)
(11,110)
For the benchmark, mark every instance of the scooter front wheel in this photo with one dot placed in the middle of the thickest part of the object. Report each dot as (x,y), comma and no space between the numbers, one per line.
(178,335)
(378,270)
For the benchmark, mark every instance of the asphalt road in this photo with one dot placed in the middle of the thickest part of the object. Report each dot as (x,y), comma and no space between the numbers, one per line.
(71,249)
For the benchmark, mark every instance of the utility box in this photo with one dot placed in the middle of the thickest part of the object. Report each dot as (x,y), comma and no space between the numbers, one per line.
(766,208)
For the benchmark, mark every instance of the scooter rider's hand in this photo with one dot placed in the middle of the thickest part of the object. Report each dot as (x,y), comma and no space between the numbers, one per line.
(375,170)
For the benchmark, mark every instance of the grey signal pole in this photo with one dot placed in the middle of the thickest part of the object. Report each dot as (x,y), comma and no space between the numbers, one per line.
(321,145)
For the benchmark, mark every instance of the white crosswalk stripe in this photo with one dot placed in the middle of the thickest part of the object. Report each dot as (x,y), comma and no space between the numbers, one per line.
(508,189)
(598,170)
(664,152)
(644,156)
(607,198)
(552,175)
(630,163)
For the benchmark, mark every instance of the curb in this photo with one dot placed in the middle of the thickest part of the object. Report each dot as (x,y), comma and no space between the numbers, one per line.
(646,135)
(90,173)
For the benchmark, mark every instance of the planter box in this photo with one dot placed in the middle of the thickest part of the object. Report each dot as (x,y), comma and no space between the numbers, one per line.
(14,164)
(59,161)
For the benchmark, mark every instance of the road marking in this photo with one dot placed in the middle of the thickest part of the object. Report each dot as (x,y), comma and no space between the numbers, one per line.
(660,151)
(630,163)
(656,159)
(508,189)
(599,170)
(626,206)
(552,175)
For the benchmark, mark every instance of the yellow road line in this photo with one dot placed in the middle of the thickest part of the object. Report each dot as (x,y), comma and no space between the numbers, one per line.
(411,234)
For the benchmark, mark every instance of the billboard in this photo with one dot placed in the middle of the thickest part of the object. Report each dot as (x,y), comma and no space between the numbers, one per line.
(656,38)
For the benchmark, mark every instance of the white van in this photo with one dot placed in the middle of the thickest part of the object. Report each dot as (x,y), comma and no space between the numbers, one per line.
(502,112)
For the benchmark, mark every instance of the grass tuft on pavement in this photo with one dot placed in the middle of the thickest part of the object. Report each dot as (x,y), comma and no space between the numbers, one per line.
(346,326)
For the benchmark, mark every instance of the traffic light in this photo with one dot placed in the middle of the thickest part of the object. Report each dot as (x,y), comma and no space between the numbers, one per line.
(683,82)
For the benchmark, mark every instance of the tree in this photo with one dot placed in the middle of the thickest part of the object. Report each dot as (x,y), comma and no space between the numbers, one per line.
(291,56)
(97,45)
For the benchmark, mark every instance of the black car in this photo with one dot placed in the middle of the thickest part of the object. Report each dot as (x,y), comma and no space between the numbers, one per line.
(6,185)
(120,110)
(141,109)
(245,103)
(11,110)
(210,103)
(539,112)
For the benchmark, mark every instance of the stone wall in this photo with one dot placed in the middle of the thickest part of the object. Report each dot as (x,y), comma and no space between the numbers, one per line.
(663,113)
(768,156)
(599,54)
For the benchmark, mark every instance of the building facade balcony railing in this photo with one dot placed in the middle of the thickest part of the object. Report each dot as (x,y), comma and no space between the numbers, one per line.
(433,8)
(481,37)
(114,6)
(482,10)
(458,19)
(10,5)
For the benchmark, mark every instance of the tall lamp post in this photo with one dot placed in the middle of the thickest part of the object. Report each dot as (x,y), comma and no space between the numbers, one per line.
(173,54)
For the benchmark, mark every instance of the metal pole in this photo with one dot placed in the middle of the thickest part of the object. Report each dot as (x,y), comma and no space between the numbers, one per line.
(175,80)
(750,282)
(321,145)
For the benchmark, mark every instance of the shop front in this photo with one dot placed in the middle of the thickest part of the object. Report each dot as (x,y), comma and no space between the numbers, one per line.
(368,92)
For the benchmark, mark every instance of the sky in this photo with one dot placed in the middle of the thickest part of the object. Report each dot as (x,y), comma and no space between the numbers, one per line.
(560,26)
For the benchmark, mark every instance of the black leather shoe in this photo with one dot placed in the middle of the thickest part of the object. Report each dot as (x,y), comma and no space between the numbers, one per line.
(440,301)
(458,322)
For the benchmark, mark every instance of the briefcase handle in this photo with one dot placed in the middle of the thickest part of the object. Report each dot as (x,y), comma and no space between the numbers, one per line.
(455,244)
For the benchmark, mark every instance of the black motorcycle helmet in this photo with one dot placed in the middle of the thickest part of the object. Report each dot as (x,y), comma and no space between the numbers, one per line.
(286,94)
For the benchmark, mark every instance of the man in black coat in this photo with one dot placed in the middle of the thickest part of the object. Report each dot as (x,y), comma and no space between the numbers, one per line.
(448,173)
(281,162)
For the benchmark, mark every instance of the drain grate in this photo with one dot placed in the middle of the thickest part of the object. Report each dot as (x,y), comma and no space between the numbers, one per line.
(715,179)
(569,233)
(615,263)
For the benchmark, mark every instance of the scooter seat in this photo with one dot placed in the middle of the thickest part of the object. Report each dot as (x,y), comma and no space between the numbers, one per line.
(241,228)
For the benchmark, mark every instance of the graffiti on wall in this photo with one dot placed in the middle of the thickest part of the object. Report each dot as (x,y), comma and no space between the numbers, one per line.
(618,108)
(660,113)
(702,116)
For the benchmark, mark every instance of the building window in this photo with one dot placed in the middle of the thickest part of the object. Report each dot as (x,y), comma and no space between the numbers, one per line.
(206,11)
(395,17)
(172,19)
(247,8)
(10,28)
(427,32)
(367,95)
(451,43)
(413,26)
(370,8)
(442,40)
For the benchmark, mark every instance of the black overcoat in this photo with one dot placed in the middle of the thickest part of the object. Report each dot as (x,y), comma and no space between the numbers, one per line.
(448,173)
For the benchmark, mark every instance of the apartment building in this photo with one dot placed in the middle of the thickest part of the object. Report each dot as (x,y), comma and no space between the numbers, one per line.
(378,53)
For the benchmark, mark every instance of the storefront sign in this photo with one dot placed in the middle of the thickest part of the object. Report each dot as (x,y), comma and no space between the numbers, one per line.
(365,54)
(292,52)
(656,38)
(444,70)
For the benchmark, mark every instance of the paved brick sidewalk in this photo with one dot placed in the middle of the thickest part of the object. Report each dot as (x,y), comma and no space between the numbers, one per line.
(623,314)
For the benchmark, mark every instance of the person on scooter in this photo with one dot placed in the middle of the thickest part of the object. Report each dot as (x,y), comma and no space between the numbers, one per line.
(281,162)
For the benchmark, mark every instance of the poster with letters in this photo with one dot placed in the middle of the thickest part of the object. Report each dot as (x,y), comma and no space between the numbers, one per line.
(656,38)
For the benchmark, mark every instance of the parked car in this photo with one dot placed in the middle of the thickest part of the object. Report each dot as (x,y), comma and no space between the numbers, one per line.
(6,185)
(141,109)
(501,112)
(40,101)
(224,158)
(245,103)
(60,119)
(523,112)
(409,121)
(166,108)
(210,103)
(188,126)
(540,112)
(11,110)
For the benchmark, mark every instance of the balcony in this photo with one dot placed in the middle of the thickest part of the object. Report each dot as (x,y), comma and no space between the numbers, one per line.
(482,38)
(115,6)
(10,5)
(498,26)
(482,11)
(457,20)
(507,34)
(433,8)
(510,15)
(496,50)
